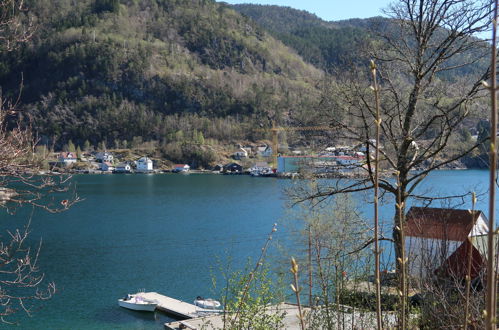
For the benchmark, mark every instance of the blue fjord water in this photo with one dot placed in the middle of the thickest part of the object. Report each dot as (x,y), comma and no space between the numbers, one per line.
(161,233)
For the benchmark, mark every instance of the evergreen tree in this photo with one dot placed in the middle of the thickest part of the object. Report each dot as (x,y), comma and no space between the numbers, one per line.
(78,153)
(87,146)
(101,146)
(71,146)
(200,138)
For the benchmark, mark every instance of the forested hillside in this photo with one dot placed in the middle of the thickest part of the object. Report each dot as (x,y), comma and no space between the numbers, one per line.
(114,70)
(180,72)
(333,46)
(325,44)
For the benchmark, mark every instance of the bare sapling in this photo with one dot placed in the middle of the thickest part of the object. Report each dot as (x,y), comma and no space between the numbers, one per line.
(468,271)
(375,88)
(252,274)
(490,311)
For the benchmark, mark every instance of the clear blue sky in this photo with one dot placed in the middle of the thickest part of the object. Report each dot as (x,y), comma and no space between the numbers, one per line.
(329,10)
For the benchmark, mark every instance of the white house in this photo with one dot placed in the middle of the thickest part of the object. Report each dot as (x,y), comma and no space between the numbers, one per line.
(264,151)
(434,238)
(123,168)
(104,157)
(241,153)
(67,158)
(144,164)
(181,168)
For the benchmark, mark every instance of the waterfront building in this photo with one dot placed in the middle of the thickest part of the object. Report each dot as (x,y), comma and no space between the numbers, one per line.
(181,168)
(144,165)
(217,168)
(233,168)
(437,241)
(67,158)
(123,168)
(320,164)
(106,167)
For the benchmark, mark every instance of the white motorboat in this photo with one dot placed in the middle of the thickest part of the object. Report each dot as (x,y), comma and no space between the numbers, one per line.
(137,303)
(206,303)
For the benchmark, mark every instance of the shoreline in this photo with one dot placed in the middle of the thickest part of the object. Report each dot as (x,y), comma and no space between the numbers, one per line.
(285,175)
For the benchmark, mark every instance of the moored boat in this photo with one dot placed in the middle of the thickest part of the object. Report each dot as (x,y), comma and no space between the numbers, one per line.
(206,303)
(137,303)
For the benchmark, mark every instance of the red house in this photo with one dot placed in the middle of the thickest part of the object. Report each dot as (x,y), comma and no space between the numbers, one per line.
(437,241)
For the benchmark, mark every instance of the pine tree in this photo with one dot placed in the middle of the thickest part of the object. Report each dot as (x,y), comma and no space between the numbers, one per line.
(71,146)
(87,146)
(78,153)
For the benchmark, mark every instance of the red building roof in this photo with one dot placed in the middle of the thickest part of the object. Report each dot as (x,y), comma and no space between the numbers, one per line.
(438,223)
(456,266)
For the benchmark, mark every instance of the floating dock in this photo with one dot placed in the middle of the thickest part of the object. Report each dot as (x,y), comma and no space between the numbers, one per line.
(290,320)
(175,307)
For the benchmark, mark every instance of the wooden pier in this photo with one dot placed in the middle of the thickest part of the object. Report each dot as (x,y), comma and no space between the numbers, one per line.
(290,320)
(175,307)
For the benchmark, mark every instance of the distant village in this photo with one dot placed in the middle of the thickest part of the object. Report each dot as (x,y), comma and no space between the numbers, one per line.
(256,161)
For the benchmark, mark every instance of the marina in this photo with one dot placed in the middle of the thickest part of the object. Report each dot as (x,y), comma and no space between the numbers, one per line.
(175,307)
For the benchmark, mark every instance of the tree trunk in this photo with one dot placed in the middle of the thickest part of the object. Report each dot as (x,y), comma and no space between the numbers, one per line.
(400,254)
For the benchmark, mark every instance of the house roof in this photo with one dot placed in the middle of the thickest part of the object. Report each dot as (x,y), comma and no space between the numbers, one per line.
(180,165)
(438,223)
(67,155)
(103,154)
(456,265)
(232,166)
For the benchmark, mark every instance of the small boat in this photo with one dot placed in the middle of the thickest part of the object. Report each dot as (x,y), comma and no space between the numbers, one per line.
(137,303)
(206,303)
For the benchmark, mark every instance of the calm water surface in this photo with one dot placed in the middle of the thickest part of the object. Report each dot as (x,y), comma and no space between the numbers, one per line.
(162,233)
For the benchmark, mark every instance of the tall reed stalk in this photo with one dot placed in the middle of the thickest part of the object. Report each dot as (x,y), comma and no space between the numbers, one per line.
(490,312)
(296,289)
(468,271)
(376,198)
(258,264)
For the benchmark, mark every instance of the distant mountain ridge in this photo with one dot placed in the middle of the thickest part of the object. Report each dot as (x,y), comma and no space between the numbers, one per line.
(325,44)
(331,46)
